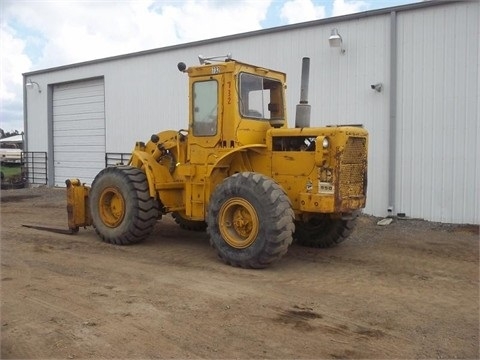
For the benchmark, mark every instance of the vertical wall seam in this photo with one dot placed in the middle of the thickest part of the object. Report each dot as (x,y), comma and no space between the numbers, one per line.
(50,145)
(393,114)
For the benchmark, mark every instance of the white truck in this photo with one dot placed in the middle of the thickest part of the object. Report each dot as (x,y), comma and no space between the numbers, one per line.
(11,148)
(10,154)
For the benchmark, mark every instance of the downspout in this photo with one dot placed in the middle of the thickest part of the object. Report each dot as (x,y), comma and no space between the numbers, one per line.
(393,115)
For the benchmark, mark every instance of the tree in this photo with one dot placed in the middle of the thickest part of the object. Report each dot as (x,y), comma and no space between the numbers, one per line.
(4,134)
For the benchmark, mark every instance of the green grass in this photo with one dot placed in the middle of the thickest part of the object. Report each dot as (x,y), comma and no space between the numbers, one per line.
(11,170)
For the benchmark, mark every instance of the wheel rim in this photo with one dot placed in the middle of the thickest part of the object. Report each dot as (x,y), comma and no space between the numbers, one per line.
(238,222)
(112,207)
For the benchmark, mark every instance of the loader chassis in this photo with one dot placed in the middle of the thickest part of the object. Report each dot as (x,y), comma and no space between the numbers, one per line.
(238,171)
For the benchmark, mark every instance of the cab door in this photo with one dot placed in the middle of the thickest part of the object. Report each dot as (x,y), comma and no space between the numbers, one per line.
(205,129)
(205,117)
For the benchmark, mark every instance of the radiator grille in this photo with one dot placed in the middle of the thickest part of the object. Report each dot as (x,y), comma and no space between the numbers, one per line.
(353,168)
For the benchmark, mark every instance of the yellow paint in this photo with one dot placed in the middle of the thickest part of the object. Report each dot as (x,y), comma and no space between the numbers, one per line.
(77,204)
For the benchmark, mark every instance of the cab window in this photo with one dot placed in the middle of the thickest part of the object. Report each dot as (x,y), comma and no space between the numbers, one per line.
(205,108)
(260,98)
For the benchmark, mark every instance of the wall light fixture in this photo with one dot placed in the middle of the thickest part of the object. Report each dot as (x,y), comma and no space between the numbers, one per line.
(29,84)
(336,40)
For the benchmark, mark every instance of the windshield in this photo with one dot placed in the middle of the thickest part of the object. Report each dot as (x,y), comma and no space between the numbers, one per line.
(260,98)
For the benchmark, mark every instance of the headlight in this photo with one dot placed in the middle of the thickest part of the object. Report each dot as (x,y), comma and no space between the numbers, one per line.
(325,143)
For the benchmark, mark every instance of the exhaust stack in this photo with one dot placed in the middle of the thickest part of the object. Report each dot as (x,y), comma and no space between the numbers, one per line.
(302,116)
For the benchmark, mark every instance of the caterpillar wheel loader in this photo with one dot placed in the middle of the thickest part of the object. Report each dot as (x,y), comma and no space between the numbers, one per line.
(238,171)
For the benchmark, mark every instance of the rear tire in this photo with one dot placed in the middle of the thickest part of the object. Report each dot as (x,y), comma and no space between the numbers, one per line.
(250,221)
(321,231)
(121,207)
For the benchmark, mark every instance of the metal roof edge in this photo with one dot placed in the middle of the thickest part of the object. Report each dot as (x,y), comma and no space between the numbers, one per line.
(335,19)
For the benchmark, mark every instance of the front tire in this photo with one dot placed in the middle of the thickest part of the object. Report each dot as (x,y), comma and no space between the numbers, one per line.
(321,231)
(121,207)
(250,221)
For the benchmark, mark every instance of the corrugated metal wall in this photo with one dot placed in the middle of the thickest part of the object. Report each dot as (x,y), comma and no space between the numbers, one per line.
(438,125)
(437,173)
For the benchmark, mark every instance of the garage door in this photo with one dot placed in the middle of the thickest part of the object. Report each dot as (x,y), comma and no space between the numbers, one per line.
(78,130)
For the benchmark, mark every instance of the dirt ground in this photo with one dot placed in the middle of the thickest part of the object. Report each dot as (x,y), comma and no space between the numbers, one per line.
(406,290)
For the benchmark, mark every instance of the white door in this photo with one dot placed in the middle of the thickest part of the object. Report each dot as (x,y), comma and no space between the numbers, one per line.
(78,130)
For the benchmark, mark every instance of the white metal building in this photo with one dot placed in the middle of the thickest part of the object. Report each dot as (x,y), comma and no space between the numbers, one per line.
(424,123)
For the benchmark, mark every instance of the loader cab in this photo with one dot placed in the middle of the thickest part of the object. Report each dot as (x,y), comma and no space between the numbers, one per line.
(233,104)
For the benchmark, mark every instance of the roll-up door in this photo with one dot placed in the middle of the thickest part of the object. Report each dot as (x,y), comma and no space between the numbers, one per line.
(78,130)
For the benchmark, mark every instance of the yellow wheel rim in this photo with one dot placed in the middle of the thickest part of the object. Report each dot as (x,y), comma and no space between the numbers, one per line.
(112,207)
(238,223)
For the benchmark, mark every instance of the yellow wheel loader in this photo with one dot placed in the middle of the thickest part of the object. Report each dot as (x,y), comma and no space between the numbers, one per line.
(238,171)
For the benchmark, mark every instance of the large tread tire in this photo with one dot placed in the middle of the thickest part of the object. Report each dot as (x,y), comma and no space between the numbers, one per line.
(122,210)
(321,231)
(186,224)
(250,221)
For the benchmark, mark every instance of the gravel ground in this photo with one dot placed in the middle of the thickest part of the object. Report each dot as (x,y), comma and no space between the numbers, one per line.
(406,290)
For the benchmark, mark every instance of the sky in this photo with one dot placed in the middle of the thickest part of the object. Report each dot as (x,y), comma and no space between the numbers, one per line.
(41,34)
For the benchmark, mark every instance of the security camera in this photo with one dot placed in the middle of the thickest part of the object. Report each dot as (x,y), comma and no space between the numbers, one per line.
(377,87)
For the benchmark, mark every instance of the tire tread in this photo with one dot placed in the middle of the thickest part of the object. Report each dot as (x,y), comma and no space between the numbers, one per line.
(282,217)
(145,213)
